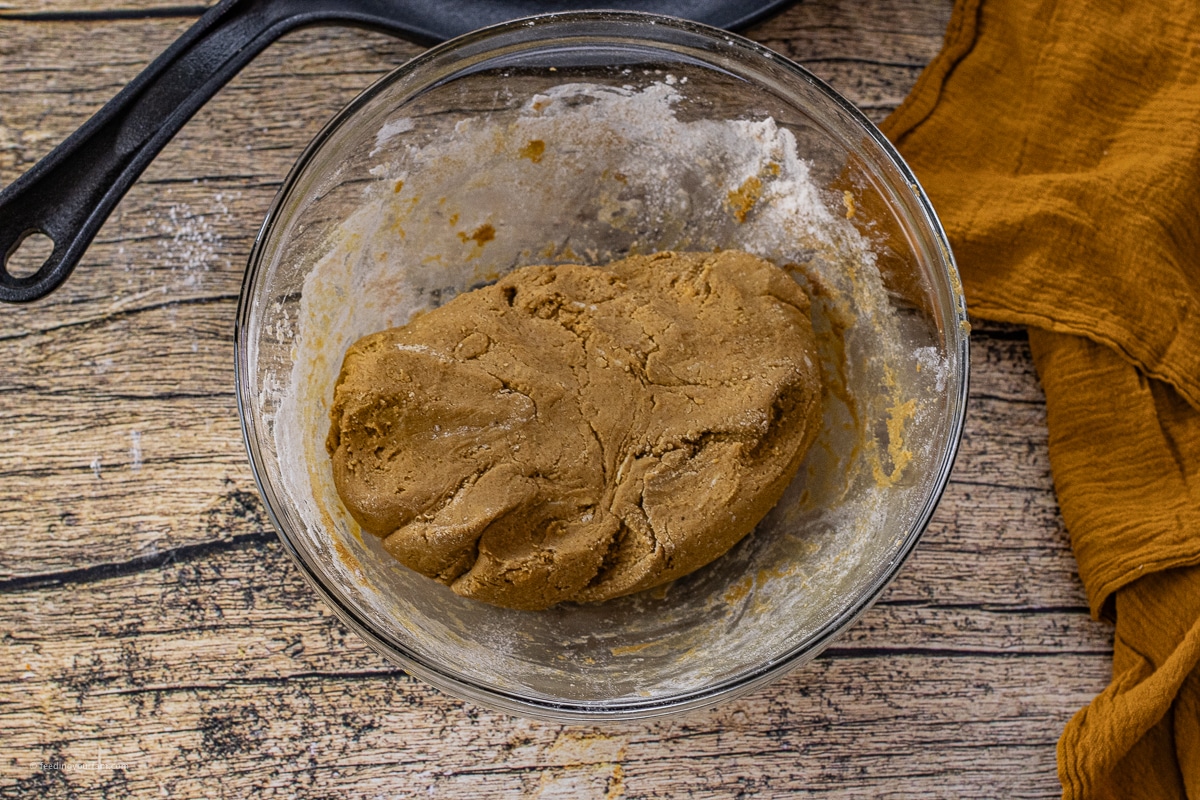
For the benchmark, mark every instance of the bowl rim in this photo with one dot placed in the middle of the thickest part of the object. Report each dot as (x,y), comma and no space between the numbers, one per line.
(575,711)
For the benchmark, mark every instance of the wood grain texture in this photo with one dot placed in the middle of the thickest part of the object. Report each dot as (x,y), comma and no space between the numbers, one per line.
(151,619)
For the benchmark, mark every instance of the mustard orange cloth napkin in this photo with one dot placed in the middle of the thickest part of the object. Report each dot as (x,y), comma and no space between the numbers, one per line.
(1060,143)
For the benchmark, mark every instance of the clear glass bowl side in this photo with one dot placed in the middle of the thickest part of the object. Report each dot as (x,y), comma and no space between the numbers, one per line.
(703,640)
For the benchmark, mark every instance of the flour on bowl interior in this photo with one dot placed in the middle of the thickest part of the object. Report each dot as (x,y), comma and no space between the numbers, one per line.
(590,173)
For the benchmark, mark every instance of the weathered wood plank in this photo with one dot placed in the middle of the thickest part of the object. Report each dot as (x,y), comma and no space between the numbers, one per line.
(963,728)
(244,612)
(16,9)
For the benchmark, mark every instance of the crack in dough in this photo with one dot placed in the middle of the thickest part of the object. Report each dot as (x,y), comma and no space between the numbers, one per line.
(576,433)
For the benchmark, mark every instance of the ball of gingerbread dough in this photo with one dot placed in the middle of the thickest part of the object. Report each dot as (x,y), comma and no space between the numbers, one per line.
(576,433)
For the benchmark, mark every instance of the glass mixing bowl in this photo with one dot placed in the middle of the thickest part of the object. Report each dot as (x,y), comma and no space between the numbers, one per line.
(585,137)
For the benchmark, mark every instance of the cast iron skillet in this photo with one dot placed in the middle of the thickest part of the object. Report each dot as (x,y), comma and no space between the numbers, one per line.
(68,194)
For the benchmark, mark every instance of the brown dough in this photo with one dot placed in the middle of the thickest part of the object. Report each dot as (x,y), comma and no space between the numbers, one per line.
(580,433)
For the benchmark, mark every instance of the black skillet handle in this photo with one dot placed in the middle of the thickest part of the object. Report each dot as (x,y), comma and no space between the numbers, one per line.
(69,194)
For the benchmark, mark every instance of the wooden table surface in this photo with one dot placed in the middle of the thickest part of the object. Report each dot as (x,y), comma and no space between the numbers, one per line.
(151,620)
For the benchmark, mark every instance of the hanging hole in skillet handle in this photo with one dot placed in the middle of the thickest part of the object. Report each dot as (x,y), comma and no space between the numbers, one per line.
(28,255)
(32,264)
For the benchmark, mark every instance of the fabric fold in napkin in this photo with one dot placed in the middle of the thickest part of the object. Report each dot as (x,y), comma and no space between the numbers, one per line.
(1060,143)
